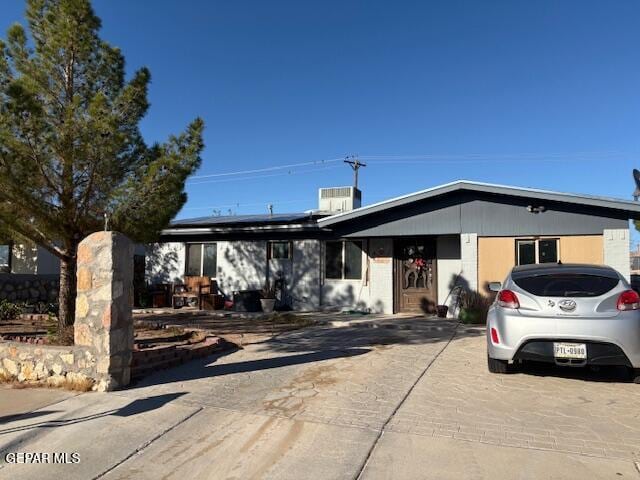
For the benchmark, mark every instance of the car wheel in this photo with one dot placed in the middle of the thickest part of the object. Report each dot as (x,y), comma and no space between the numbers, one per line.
(635,375)
(498,366)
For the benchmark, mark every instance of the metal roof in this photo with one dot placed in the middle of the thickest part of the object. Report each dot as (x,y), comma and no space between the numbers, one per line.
(628,206)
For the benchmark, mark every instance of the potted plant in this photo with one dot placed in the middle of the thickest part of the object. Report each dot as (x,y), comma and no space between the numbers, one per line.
(268,297)
(474,307)
(442,310)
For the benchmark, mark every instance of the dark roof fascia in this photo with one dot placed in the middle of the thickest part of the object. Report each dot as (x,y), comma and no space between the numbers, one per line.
(629,208)
(247,220)
(266,232)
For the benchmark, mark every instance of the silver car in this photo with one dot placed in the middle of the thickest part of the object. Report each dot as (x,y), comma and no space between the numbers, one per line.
(572,315)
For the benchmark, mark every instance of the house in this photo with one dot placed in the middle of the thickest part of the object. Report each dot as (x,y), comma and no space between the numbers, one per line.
(405,254)
(27,258)
(28,273)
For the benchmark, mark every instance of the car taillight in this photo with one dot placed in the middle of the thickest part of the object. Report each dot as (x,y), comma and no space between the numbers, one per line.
(494,336)
(508,299)
(628,300)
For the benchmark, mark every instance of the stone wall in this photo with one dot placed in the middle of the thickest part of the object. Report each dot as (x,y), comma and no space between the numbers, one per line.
(50,364)
(103,329)
(29,288)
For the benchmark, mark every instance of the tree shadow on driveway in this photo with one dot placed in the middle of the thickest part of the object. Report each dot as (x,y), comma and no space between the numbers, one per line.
(203,368)
(317,344)
(136,407)
(367,334)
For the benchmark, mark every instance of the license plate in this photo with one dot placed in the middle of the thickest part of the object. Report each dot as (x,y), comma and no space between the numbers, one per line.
(570,350)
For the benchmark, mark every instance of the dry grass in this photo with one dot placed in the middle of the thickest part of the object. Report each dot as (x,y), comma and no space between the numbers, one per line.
(75,385)
(61,337)
(291,319)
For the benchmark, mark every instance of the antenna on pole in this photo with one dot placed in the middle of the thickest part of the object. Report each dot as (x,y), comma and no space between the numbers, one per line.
(355,164)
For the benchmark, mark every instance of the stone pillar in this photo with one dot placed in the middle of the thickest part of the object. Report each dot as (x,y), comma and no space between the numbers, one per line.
(103,305)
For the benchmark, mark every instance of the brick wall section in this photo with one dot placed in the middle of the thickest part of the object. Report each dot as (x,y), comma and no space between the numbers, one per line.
(104,303)
(616,250)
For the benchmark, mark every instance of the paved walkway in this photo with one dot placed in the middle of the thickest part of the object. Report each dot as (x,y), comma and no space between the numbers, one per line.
(379,398)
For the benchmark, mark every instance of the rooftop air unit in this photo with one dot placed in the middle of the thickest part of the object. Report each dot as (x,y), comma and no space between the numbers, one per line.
(339,199)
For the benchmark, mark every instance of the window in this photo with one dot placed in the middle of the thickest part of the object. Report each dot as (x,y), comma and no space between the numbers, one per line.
(343,260)
(280,250)
(5,258)
(526,252)
(544,250)
(201,260)
(333,264)
(567,284)
(548,251)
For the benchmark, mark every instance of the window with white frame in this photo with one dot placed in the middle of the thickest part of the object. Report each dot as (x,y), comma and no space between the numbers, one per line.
(541,250)
(343,260)
(279,250)
(202,260)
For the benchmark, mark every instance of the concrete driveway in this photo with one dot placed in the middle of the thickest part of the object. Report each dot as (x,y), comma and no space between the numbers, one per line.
(380,398)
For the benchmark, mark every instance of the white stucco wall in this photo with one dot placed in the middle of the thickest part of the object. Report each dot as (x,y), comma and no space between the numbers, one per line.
(305,279)
(242,265)
(165,262)
(616,250)
(374,292)
(380,285)
(469,259)
(337,294)
(449,266)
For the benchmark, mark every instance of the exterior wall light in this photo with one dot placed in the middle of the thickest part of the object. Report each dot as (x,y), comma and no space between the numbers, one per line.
(536,209)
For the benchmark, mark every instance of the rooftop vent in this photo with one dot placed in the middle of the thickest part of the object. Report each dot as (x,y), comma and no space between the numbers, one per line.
(339,199)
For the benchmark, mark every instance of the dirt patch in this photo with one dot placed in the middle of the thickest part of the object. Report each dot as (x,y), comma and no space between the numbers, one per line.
(290,399)
(234,328)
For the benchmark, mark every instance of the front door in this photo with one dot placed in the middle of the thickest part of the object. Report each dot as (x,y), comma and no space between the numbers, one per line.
(415,275)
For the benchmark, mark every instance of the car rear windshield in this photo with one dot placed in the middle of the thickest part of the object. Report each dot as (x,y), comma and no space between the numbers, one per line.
(566,285)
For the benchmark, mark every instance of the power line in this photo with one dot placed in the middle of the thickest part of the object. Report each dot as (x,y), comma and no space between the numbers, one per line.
(487,160)
(269,169)
(480,156)
(237,205)
(257,177)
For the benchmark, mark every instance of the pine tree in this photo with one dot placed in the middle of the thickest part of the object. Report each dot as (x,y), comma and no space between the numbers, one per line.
(70,147)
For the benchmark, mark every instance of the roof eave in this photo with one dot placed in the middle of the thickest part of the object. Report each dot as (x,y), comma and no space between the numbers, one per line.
(631,209)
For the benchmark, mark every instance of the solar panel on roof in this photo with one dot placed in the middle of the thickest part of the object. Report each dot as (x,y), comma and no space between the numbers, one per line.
(236,219)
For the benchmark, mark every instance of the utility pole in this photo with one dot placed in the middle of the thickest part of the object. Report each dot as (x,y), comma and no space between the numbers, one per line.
(355,164)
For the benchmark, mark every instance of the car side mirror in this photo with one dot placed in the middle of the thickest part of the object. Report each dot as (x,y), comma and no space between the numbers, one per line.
(495,286)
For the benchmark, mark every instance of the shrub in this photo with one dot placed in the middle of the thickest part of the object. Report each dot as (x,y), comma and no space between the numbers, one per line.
(9,311)
(57,336)
(474,307)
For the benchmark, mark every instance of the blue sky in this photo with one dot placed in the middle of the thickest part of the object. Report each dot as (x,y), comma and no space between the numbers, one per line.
(539,94)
